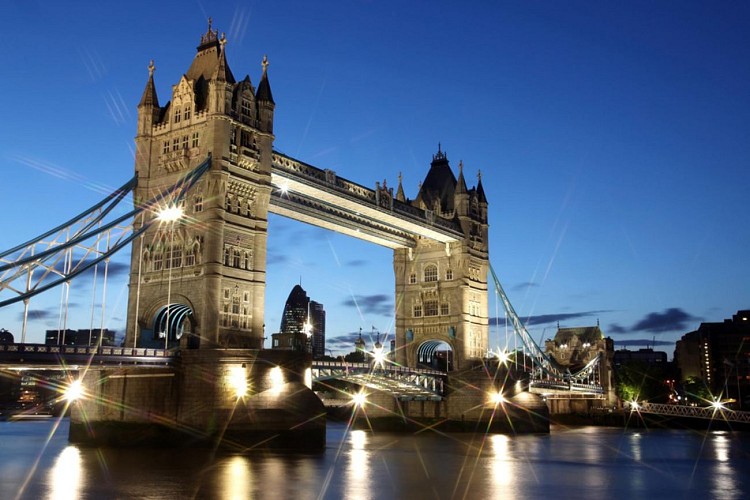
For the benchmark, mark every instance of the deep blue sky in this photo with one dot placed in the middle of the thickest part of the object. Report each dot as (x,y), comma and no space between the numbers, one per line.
(612,137)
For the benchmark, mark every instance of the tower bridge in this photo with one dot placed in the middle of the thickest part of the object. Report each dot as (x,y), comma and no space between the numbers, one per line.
(197,280)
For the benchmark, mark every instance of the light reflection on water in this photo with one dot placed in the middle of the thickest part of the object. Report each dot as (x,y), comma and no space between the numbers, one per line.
(588,462)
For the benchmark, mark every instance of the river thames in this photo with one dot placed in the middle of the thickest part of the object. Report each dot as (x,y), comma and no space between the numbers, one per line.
(36,461)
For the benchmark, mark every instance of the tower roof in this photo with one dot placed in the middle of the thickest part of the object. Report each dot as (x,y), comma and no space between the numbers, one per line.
(440,183)
(264,88)
(149,93)
(209,58)
(480,189)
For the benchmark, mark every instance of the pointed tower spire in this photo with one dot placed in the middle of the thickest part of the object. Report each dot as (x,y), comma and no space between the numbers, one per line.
(149,93)
(461,183)
(264,88)
(480,189)
(400,191)
(221,68)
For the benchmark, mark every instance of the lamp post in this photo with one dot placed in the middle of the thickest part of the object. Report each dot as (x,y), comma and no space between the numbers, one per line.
(171,214)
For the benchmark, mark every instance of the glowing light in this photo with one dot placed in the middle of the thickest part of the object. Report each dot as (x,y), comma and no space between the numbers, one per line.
(359,399)
(277,379)
(503,356)
(74,391)
(307,328)
(284,188)
(378,355)
(497,398)
(170,214)
(634,406)
(66,474)
(718,405)
(308,378)
(237,379)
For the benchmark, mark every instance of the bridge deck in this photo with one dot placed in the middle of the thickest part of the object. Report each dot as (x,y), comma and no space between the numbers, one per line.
(46,357)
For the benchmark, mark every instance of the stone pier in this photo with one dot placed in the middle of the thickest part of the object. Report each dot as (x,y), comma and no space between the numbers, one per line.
(231,398)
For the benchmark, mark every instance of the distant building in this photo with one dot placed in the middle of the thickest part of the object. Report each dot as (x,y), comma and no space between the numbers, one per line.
(719,354)
(6,337)
(647,356)
(86,336)
(574,348)
(301,312)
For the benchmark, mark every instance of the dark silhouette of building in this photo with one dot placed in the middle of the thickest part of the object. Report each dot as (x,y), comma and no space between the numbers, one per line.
(5,336)
(86,336)
(646,356)
(719,355)
(303,325)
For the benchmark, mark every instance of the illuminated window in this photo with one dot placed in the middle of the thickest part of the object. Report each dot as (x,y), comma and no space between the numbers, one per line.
(431,273)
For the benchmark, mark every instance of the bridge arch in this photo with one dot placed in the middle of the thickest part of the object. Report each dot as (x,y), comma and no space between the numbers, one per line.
(436,354)
(175,319)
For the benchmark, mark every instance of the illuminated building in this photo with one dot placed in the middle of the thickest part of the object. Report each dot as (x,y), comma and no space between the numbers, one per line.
(719,354)
(303,325)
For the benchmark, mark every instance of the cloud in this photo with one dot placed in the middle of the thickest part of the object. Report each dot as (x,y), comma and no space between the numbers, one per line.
(523,286)
(40,314)
(357,263)
(345,343)
(672,319)
(643,342)
(615,328)
(273,258)
(372,304)
(543,319)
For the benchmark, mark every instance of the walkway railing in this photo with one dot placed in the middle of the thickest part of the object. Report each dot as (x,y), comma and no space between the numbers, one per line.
(712,412)
(46,354)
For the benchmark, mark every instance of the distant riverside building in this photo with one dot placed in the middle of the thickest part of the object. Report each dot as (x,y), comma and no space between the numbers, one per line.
(5,336)
(719,354)
(574,348)
(80,337)
(298,311)
(647,356)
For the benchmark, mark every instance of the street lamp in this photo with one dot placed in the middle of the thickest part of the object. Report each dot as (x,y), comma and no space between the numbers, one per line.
(170,214)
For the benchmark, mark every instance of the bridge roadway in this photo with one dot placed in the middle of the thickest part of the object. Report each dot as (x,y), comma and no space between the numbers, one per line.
(405,383)
(408,384)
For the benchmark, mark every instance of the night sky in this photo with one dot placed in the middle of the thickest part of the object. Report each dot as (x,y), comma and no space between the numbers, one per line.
(612,139)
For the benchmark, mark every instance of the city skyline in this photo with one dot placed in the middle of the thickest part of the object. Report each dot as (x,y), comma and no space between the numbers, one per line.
(611,139)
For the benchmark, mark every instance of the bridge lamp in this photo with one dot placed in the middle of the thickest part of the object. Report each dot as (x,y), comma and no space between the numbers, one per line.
(634,406)
(74,391)
(718,405)
(284,189)
(171,213)
(378,355)
(359,399)
(497,398)
(503,357)
(237,378)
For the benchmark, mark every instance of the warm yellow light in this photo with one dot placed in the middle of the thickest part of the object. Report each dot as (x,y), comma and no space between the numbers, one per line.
(718,405)
(238,380)
(170,214)
(277,379)
(74,391)
(503,356)
(307,328)
(359,399)
(497,398)
(634,406)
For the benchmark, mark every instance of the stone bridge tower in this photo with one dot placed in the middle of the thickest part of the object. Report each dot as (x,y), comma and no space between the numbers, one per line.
(441,289)
(201,280)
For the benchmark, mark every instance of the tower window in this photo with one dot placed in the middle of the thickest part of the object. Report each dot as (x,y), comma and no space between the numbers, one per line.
(165,147)
(445,309)
(177,116)
(449,274)
(195,140)
(187,112)
(175,144)
(418,311)
(412,278)
(198,204)
(431,308)
(431,273)
(184,142)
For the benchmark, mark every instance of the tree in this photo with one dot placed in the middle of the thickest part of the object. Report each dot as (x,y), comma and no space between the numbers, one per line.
(639,381)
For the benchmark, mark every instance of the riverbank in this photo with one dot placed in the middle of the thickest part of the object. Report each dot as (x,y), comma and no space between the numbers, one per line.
(638,420)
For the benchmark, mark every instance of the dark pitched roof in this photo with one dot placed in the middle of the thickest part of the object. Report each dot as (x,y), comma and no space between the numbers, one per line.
(149,93)
(264,88)
(440,183)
